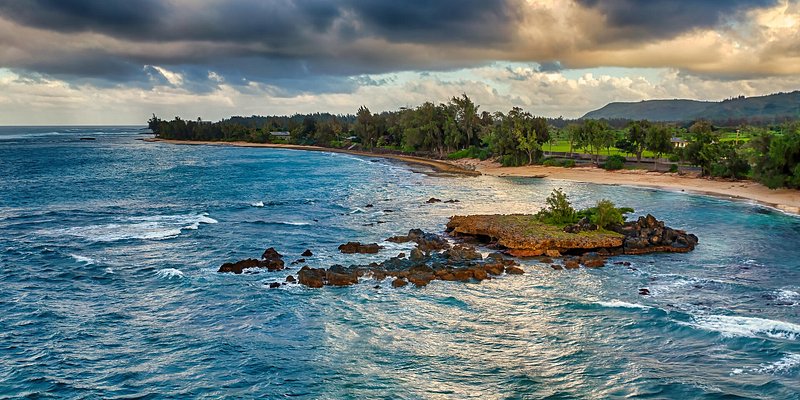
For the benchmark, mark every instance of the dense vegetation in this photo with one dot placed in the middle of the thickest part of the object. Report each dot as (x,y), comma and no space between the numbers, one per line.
(458,129)
(558,211)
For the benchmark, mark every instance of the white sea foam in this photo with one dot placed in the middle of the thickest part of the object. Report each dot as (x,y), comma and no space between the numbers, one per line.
(83,259)
(294,223)
(622,304)
(786,364)
(145,228)
(787,295)
(257,204)
(109,270)
(169,273)
(735,326)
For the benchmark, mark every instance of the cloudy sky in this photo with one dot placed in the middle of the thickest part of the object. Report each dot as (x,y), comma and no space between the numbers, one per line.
(116,62)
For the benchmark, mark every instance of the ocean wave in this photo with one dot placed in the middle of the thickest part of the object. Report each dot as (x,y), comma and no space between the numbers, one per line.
(787,295)
(83,259)
(736,326)
(622,304)
(157,227)
(786,364)
(257,204)
(169,273)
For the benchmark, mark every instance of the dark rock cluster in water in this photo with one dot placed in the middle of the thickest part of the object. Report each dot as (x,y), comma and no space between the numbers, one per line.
(649,235)
(433,258)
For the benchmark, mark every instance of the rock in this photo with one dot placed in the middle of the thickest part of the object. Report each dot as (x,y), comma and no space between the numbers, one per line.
(357,247)
(239,266)
(462,274)
(644,292)
(307,253)
(312,277)
(291,279)
(571,264)
(583,225)
(479,273)
(495,268)
(368,206)
(399,282)
(556,267)
(417,255)
(552,253)
(433,200)
(461,253)
(512,270)
(401,255)
(340,277)
(546,260)
(298,261)
(593,261)
(451,201)
(420,280)
(274,285)
(270,254)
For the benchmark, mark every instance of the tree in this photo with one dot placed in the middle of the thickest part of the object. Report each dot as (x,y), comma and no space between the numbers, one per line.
(597,135)
(636,137)
(365,128)
(658,139)
(558,210)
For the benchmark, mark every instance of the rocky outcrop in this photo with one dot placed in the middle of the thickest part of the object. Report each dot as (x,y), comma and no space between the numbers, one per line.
(307,253)
(426,242)
(270,260)
(357,247)
(525,236)
(649,235)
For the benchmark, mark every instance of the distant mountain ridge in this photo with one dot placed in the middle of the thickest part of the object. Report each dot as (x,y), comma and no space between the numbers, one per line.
(778,106)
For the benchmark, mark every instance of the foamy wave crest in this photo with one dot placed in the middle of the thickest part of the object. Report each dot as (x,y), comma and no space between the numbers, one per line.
(787,295)
(786,364)
(143,228)
(257,204)
(733,326)
(169,273)
(622,304)
(83,259)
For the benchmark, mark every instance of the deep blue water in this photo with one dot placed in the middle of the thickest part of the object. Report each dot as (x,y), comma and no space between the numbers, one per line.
(108,284)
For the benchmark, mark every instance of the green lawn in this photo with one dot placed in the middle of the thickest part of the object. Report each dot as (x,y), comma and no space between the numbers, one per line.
(563,146)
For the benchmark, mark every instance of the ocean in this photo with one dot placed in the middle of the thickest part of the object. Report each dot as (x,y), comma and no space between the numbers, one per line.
(108,286)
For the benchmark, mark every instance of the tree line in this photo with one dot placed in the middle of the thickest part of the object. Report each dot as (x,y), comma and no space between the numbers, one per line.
(458,128)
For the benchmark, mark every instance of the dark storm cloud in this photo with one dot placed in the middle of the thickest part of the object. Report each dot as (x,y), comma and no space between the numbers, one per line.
(282,42)
(646,19)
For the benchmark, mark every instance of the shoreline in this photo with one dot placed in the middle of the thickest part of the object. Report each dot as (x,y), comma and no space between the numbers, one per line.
(783,200)
(437,165)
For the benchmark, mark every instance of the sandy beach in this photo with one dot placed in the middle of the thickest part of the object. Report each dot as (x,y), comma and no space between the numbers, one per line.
(786,200)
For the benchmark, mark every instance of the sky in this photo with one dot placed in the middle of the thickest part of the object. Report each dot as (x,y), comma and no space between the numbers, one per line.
(119,61)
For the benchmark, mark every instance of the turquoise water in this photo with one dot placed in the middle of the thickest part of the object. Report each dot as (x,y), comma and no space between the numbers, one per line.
(109,251)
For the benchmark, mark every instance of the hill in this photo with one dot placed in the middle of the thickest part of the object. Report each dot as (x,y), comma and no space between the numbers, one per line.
(773,107)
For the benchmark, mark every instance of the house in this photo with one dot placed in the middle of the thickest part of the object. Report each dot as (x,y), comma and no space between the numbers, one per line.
(280,134)
(678,143)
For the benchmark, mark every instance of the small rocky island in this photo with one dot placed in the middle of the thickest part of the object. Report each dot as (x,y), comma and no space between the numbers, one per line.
(586,237)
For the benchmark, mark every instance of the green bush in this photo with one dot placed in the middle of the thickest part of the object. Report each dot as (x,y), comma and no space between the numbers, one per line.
(674,158)
(614,162)
(558,211)
(673,168)
(511,160)
(606,214)
(469,152)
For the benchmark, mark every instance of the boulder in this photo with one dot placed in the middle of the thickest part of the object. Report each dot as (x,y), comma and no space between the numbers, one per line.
(399,282)
(307,253)
(290,279)
(512,270)
(460,253)
(357,247)
(312,277)
(271,254)
(433,200)
(239,266)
